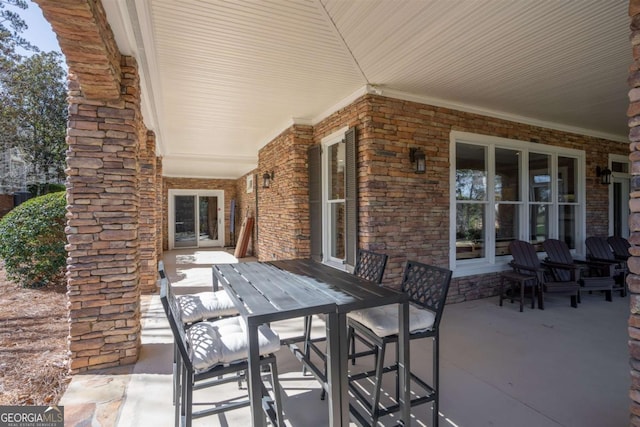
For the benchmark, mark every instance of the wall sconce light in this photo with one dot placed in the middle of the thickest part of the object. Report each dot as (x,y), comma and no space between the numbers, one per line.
(604,175)
(417,157)
(266,179)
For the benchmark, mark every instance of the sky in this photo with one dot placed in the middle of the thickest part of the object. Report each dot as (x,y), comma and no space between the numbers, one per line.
(39,32)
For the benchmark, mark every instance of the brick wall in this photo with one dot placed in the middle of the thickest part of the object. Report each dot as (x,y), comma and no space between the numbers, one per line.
(394,202)
(169,183)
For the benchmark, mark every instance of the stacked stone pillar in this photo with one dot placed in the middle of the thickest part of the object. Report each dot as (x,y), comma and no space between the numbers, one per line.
(160,203)
(113,188)
(150,212)
(103,225)
(634,221)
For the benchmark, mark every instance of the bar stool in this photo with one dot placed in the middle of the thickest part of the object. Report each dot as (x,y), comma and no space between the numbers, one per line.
(427,287)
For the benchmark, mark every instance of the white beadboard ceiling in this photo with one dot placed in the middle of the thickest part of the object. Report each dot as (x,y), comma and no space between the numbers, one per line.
(220,79)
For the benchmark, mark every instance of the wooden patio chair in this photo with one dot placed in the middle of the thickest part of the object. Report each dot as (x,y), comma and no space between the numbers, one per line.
(209,352)
(525,261)
(620,247)
(560,261)
(427,287)
(598,250)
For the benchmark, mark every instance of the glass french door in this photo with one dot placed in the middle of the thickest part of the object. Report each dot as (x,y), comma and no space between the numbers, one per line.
(196,218)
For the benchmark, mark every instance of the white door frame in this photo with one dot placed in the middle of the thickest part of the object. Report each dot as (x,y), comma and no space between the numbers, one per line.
(197,193)
(624,180)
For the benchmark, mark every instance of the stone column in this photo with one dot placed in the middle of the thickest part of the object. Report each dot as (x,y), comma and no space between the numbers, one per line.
(634,221)
(105,136)
(103,221)
(160,205)
(149,215)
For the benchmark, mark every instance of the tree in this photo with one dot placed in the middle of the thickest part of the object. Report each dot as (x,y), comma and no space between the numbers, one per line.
(11,25)
(33,108)
(36,100)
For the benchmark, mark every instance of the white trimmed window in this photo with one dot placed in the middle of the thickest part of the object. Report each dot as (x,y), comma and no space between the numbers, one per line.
(503,190)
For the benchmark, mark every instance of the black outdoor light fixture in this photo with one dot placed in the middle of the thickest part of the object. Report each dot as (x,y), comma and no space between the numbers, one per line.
(417,157)
(266,179)
(604,175)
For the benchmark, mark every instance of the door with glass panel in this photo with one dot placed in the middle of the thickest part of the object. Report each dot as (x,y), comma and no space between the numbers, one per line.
(196,218)
(184,226)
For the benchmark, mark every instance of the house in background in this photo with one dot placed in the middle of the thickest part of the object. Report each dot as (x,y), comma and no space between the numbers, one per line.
(13,172)
(13,180)
(19,182)
(426,130)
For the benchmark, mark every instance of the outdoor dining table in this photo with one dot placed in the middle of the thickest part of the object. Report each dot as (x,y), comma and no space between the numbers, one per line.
(280,290)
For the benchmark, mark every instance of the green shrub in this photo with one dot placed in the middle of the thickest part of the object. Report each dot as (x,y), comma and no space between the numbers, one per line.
(32,241)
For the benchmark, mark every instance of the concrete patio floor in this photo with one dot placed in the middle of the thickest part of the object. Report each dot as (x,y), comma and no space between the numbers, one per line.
(499,367)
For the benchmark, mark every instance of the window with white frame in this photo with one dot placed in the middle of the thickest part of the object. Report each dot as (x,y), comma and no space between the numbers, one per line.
(333,199)
(334,196)
(503,190)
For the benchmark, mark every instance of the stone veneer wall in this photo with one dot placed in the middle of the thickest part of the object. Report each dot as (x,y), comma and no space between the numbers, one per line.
(283,208)
(85,38)
(171,183)
(633,280)
(394,202)
(103,271)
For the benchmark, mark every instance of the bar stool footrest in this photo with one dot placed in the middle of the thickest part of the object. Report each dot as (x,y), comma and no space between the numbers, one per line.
(429,395)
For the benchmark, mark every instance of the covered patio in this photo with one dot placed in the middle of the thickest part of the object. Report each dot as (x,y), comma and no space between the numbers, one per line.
(556,367)
(340,125)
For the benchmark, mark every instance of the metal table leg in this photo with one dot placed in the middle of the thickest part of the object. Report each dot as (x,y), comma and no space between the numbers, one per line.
(337,357)
(258,418)
(404,371)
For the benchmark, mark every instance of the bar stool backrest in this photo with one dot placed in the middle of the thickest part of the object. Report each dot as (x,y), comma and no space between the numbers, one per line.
(427,286)
(170,306)
(161,271)
(370,265)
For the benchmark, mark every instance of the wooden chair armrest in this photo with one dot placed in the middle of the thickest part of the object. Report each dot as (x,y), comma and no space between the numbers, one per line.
(526,267)
(560,265)
(602,260)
